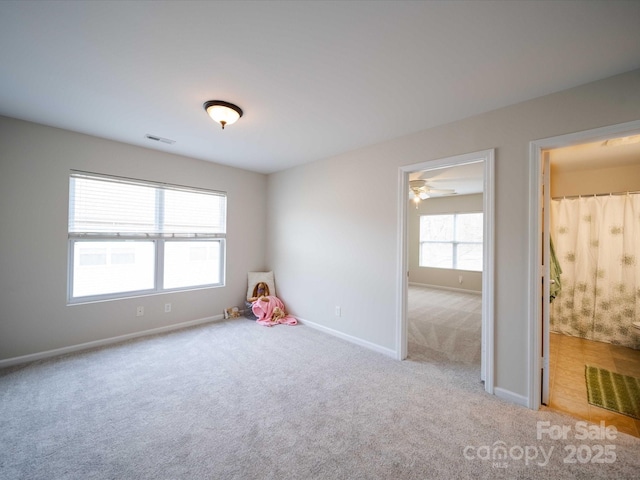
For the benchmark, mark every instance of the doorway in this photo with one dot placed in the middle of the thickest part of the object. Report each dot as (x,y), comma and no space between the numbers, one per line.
(541,343)
(486,158)
(592,185)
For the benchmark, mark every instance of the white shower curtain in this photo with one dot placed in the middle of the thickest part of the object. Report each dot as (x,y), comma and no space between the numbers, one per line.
(597,244)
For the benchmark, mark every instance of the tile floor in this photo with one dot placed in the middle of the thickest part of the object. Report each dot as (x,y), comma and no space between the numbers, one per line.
(568,388)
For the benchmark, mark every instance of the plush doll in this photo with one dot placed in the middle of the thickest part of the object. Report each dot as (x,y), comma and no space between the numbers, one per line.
(260,290)
(268,309)
(278,314)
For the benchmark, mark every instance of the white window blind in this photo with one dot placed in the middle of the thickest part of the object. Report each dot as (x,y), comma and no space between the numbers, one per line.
(109,206)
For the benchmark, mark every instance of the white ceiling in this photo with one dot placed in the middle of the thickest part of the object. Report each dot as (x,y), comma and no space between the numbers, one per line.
(314,79)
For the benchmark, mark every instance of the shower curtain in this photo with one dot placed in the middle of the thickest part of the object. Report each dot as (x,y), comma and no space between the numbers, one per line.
(597,244)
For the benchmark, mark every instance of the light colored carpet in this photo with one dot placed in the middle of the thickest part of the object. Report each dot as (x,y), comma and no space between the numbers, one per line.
(234,400)
(445,323)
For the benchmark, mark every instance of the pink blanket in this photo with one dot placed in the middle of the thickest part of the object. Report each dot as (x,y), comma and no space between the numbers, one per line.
(270,311)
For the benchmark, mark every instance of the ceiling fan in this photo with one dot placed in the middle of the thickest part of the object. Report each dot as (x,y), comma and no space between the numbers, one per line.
(419,190)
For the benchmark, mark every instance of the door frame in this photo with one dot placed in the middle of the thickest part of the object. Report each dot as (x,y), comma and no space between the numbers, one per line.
(486,156)
(538,322)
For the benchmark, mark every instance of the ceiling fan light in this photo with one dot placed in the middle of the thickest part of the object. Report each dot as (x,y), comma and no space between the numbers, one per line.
(224,113)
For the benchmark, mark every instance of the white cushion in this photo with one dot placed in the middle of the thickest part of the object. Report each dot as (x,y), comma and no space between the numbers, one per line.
(257,277)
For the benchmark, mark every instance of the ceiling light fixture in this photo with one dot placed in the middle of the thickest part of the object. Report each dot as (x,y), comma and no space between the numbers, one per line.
(224,113)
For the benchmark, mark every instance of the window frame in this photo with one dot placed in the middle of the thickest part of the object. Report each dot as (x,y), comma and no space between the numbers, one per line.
(159,241)
(454,243)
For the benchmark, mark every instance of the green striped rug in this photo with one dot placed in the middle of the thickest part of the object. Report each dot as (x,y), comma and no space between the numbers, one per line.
(613,391)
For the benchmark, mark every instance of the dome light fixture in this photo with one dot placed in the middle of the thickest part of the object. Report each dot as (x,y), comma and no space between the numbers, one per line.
(224,113)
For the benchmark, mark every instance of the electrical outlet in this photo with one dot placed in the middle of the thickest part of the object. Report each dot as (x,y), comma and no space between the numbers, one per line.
(139,311)
(460,279)
(167,307)
(338,311)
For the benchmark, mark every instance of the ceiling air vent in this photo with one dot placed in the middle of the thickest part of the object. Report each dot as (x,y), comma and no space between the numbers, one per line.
(160,139)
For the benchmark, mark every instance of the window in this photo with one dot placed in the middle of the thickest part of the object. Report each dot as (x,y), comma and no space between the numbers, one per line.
(131,237)
(451,241)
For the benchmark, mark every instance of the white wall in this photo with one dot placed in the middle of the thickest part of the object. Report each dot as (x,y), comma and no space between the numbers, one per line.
(440,277)
(333,223)
(35,161)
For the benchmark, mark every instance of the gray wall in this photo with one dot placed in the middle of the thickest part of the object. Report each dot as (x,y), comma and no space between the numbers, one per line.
(34,185)
(440,277)
(333,229)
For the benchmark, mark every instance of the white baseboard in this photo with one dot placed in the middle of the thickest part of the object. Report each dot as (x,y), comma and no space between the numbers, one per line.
(106,341)
(441,287)
(349,338)
(509,396)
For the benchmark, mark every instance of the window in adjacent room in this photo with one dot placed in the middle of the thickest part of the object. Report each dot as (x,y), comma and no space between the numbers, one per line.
(451,241)
(131,237)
